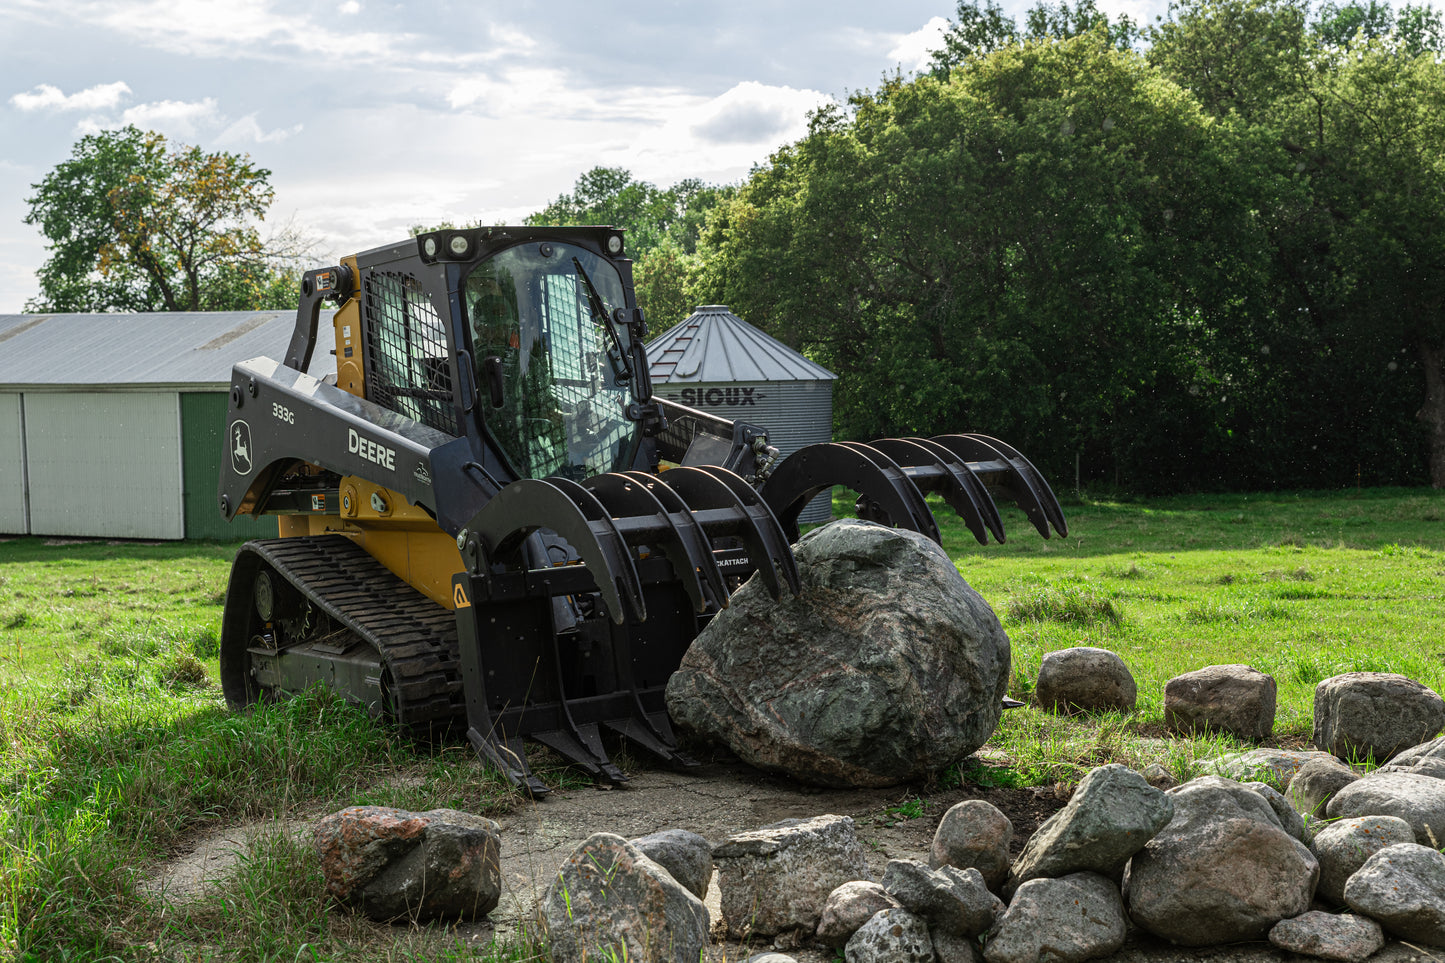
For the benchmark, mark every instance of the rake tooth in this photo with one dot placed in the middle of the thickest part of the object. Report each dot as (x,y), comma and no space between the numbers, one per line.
(1051,506)
(863,469)
(994,465)
(935,468)
(709,488)
(574,513)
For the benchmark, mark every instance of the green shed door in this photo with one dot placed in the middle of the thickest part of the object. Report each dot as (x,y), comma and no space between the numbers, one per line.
(203,427)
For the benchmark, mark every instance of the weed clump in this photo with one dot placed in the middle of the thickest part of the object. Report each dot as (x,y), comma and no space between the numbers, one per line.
(1070,606)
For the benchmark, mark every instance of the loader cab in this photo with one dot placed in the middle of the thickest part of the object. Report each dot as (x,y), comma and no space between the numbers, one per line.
(547,320)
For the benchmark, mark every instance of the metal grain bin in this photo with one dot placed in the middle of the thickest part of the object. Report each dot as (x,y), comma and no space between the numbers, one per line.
(719,363)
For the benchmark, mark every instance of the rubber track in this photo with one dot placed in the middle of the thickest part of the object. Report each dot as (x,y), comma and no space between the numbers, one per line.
(417,638)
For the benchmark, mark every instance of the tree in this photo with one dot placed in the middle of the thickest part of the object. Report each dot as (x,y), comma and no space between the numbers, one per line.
(1417,29)
(135,224)
(1342,139)
(662,225)
(1021,249)
(978,31)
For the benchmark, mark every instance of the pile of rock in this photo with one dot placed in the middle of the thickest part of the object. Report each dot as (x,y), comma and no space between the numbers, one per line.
(1215,860)
(1212,861)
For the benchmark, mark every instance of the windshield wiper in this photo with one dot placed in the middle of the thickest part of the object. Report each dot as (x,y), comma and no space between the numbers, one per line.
(617,357)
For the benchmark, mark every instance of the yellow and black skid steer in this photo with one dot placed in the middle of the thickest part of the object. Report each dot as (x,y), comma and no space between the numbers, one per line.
(488,523)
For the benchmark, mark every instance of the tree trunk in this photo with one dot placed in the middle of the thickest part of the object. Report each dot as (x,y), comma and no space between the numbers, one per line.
(1432,412)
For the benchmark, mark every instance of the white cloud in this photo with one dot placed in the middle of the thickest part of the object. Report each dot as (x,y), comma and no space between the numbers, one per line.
(912,51)
(247,129)
(753,113)
(176,118)
(268,30)
(46,97)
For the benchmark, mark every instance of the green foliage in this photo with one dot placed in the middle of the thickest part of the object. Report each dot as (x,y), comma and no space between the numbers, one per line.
(930,249)
(1338,126)
(134,224)
(978,31)
(1417,29)
(662,225)
(1217,265)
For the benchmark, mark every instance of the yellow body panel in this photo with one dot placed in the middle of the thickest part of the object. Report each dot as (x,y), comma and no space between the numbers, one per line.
(400,536)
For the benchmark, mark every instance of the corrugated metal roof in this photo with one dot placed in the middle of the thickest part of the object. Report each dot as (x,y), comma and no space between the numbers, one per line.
(715,346)
(163,348)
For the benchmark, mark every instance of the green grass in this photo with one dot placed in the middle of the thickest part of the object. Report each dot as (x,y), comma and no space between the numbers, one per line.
(1303,586)
(116,747)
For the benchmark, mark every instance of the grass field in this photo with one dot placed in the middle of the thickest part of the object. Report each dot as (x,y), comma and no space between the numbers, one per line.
(115,743)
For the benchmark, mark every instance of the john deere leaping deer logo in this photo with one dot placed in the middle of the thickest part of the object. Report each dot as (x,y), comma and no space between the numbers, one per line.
(241,448)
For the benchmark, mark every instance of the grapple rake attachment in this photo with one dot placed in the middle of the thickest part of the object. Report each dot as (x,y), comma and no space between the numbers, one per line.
(654,550)
(892,476)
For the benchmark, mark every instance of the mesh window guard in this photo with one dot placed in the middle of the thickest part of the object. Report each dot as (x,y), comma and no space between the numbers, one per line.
(406,343)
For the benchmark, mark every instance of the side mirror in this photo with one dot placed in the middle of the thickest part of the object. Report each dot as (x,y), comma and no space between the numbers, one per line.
(492,375)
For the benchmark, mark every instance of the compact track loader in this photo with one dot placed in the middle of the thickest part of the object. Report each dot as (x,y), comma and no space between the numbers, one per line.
(489,523)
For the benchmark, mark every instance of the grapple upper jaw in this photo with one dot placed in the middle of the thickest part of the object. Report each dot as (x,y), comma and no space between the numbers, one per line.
(892,475)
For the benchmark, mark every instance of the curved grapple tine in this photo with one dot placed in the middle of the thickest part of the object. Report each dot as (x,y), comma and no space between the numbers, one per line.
(574,513)
(1051,505)
(990,462)
(764,522)
(800,477)
(702,491)
(991,517)
(918,517)
(624,496)
(699,546)
(945,472)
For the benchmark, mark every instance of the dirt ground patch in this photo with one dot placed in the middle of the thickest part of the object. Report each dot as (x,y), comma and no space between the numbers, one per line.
(716,801)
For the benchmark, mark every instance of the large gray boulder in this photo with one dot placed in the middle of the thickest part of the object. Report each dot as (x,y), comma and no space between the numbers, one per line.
(1426,759)
(974,834)
(1087,679)
(885,668)
(1343,846)
(891,936)
(1235,699)
(1067,920)
(1403,886)
(1110,817)
(396,865)
(686,855)
(608,899)
(1419,800)
(1328,936)
(948,899)
(1360,715)
(1222,870)
(778,878)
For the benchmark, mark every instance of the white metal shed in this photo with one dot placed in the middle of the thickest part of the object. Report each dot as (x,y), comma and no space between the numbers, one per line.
(111,424)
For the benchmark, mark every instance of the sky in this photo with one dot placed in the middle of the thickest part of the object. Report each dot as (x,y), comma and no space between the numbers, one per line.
(375,116)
